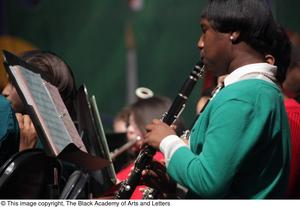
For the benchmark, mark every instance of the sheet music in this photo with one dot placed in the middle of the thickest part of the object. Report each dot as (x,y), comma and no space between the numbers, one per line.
(50,109)
(64,116)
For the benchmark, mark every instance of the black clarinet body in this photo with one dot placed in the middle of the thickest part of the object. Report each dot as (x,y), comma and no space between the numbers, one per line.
(146,154)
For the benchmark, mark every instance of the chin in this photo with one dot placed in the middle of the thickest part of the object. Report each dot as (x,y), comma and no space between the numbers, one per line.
(211,69)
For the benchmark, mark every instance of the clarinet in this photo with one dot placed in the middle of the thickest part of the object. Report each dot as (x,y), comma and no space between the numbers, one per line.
(146,154)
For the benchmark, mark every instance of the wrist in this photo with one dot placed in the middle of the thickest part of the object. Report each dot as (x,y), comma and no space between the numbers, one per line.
(169,145)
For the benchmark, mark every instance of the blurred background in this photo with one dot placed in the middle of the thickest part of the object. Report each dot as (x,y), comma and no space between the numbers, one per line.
(115,46)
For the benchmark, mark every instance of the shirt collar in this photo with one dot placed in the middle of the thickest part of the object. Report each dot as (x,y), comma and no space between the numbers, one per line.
(257,68)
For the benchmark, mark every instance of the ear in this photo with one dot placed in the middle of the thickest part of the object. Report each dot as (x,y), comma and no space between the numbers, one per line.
(270,59)
(234,36)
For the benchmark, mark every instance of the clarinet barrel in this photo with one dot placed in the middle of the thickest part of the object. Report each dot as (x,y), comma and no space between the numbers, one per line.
(146,154)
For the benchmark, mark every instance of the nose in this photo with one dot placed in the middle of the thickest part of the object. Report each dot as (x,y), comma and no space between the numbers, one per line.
(5,91)
(200,43)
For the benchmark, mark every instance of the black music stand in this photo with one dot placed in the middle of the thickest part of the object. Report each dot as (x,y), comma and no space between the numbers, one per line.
(92,133)
(76,185)
(115,141)
(30,174)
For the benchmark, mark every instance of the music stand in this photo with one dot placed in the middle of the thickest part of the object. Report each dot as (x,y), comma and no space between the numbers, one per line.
(116,141)
(75,185)
(91,129)
(49,115)
(30,174)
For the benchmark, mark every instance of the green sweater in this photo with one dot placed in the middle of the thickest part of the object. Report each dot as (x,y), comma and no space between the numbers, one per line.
(240,145)
(9,131)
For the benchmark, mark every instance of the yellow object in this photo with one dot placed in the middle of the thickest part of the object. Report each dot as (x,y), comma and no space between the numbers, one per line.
(15,45)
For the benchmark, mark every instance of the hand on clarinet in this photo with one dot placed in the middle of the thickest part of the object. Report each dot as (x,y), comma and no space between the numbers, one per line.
(156,177)
(156,132)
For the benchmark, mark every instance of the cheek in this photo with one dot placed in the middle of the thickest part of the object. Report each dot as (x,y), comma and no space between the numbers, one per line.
(120,127)
(211,51)
(293,77)
(16,101)
(297,76)
(133,132)
(218,59)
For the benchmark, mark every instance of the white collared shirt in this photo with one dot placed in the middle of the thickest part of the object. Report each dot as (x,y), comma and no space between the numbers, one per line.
(262,71)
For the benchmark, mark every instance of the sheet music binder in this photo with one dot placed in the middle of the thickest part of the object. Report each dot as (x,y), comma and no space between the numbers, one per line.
(49,115)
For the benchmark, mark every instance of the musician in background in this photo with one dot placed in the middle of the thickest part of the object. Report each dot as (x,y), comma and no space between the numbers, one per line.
(291,85)
(291,88)
(120,122)
(240,145)
(283,57)
(141,113)
(52,69)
